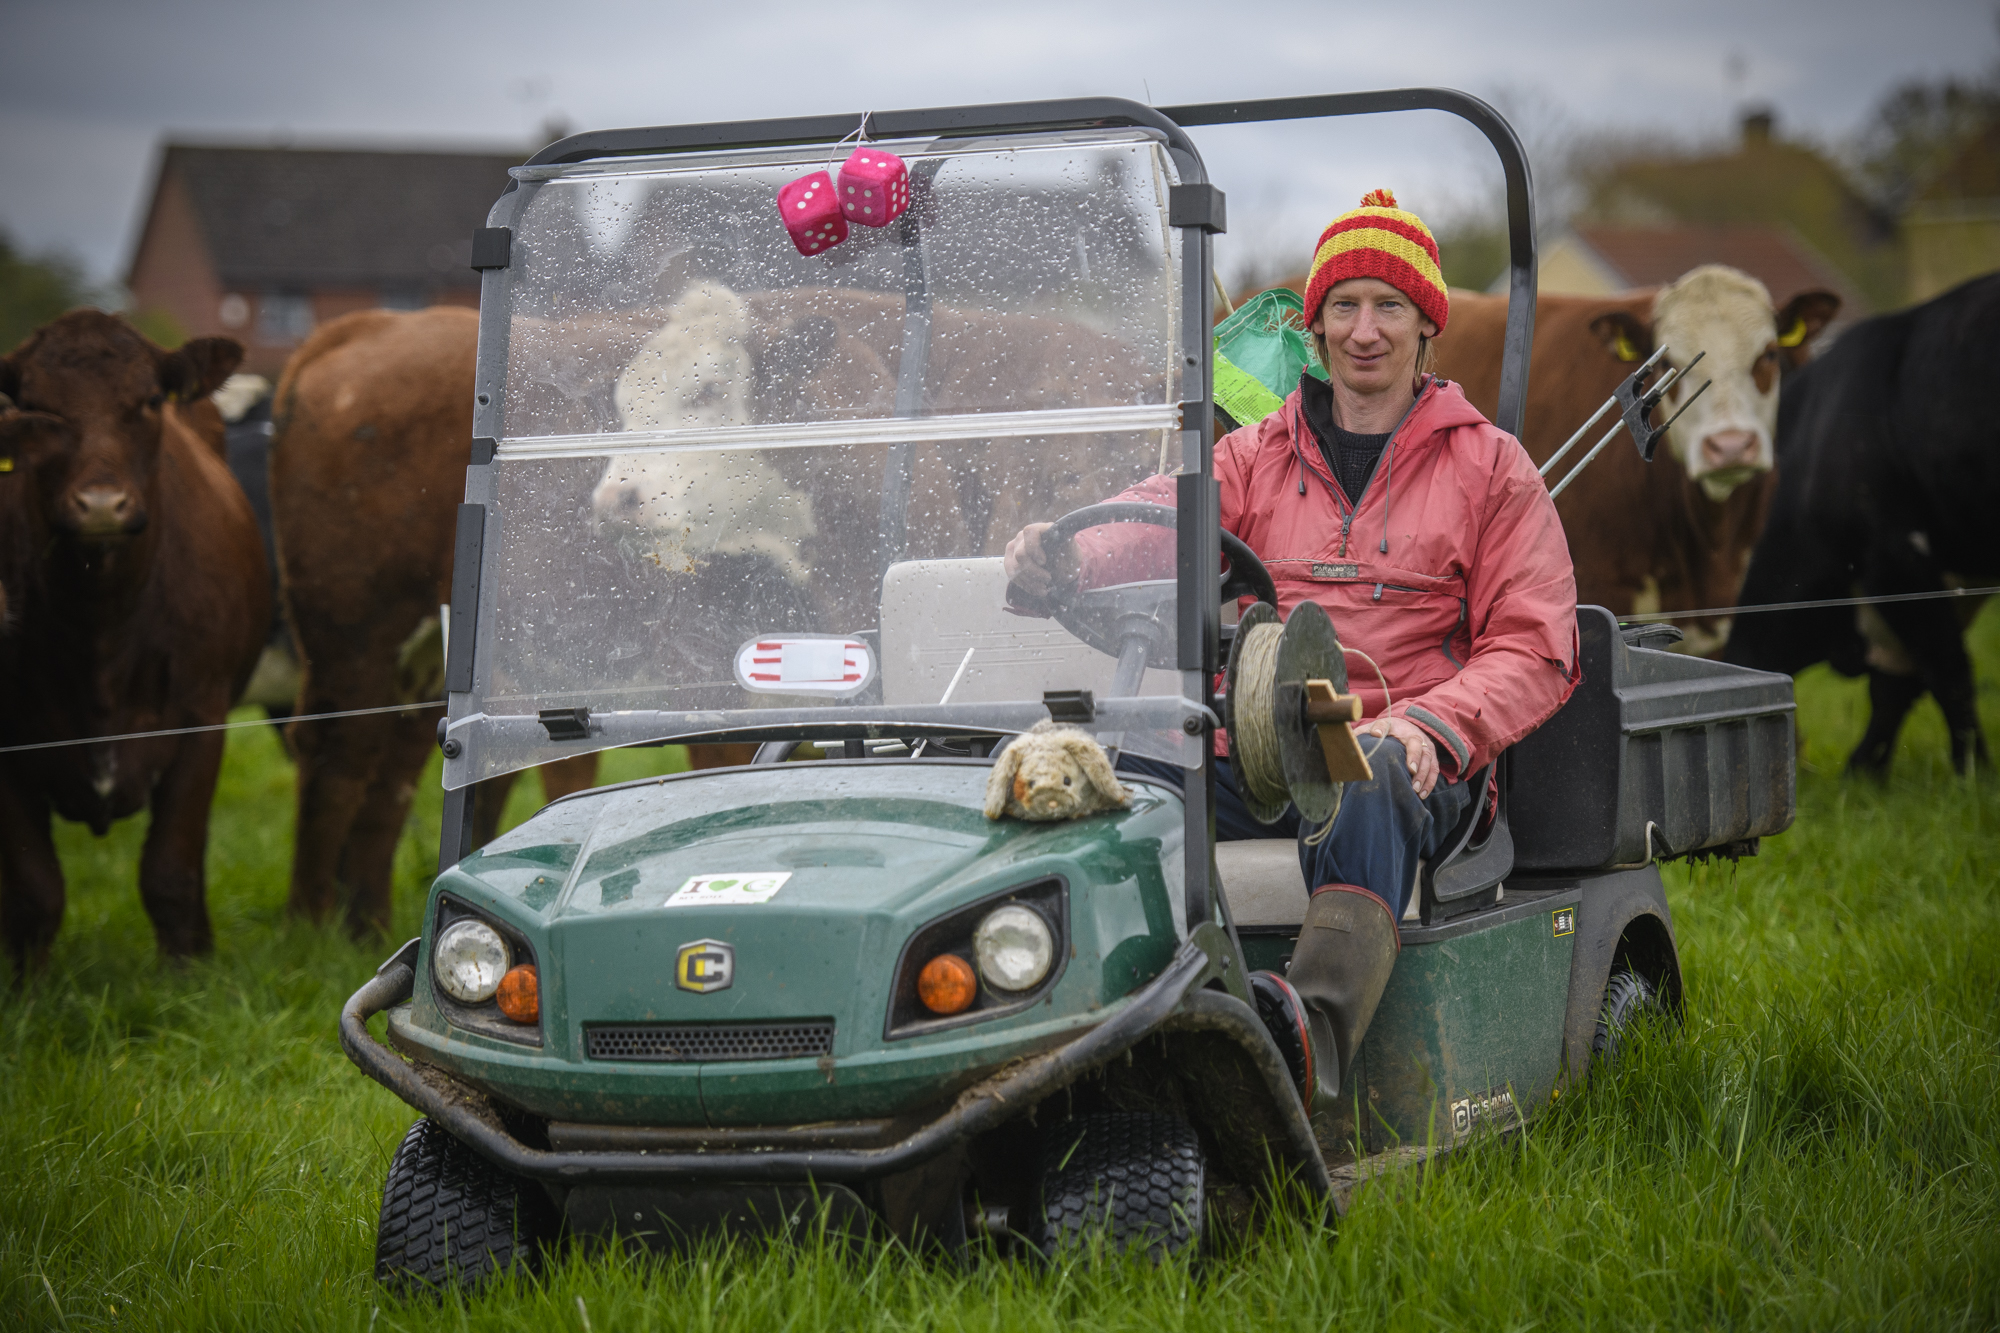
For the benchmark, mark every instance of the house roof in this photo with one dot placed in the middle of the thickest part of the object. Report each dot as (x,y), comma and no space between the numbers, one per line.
(1775,256)
(306,218)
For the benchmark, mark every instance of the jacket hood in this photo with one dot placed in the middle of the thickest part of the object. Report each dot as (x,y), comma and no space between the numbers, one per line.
(1441,405)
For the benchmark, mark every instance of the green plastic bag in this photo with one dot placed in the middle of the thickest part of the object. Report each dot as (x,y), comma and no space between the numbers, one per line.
(1260,351)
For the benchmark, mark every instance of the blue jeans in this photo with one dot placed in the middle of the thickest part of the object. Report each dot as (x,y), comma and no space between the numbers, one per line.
(1382,831)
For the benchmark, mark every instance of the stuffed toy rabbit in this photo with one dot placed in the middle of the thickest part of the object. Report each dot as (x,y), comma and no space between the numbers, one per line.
(1053,772)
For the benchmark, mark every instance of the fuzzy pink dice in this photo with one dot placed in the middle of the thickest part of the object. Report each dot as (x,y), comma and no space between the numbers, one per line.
(874,187)
(812,214)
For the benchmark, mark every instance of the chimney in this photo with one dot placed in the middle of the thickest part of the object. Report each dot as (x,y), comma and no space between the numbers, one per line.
(1758,123)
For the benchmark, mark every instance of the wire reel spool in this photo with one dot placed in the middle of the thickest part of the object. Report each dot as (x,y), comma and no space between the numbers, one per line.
(1253,748)
(1276,751)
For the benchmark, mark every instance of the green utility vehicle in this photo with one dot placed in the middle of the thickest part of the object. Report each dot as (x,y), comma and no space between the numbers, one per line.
(726,491)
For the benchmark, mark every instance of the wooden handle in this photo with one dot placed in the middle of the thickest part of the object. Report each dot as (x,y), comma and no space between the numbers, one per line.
(1323,705)
(1331,714)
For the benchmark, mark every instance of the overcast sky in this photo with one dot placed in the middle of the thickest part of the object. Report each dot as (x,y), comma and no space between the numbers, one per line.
(89,88)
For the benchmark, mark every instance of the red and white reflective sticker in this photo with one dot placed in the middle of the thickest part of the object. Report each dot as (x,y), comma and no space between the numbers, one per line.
(804,664)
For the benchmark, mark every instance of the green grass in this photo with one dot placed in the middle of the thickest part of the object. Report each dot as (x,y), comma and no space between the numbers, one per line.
(187,1148)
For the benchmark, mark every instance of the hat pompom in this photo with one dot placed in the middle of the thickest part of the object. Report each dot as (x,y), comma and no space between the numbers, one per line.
(1378,199)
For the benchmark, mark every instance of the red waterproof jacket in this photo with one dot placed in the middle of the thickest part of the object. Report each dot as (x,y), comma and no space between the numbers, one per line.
(1451,572)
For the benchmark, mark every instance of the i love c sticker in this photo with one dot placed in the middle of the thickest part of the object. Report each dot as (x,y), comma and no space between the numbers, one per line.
(729,888)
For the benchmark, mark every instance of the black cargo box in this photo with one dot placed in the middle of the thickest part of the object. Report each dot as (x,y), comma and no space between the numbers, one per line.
(1699,750)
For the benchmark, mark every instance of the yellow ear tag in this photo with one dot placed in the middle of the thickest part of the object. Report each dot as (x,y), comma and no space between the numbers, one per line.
(1624,348)
(6,465)
(1794,335)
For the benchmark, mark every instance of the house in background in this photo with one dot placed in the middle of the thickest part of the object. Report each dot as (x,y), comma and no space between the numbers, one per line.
(1601,260)
(264,244)
(1763,182)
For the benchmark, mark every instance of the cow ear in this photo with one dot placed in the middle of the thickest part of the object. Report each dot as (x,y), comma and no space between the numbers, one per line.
(23,435)
(1623,335)
(199,367)
(1802,320)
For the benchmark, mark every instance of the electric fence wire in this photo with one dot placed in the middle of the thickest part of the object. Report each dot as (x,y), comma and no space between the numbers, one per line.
(223,726)
(1649,617)
(1640,618)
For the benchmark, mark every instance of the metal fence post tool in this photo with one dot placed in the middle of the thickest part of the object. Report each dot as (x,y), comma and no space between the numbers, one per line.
(1635,415)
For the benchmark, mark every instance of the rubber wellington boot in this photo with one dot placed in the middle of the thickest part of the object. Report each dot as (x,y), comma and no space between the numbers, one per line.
(1347,948)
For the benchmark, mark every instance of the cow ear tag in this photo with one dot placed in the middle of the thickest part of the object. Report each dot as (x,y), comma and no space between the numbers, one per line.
(1795,334)
(6,465)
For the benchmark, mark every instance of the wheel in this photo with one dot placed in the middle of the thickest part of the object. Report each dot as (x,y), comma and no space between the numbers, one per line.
(449,1216)
(1136,1178)
(1628,997)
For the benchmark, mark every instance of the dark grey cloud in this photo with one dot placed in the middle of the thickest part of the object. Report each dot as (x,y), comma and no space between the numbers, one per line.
(87,90)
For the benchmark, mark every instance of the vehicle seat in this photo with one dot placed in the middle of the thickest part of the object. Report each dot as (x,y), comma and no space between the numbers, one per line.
(1261,877)
(933,610)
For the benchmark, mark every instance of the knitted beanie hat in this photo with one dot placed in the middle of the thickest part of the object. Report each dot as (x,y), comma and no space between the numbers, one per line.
(1379,240)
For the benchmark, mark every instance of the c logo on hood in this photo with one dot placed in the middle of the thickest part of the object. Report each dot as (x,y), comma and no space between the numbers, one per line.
(704,965)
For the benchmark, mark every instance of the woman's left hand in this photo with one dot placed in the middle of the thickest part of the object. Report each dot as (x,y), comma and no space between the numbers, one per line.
(1423,755)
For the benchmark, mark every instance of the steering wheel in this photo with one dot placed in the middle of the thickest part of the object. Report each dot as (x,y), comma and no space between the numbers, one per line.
(1107,618)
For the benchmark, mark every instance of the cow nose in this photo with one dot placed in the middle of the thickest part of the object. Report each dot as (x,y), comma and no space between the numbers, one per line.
(105,511)
(1729,448)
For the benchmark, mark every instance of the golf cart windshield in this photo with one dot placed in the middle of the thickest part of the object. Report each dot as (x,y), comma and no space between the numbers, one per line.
(738,487)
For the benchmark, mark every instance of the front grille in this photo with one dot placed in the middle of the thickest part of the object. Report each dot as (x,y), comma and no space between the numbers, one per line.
(692,1043)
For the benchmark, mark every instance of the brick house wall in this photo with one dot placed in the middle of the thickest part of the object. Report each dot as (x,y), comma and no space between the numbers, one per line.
(265,244)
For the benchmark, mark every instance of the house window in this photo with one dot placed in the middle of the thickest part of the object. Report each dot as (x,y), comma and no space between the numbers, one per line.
(284,317)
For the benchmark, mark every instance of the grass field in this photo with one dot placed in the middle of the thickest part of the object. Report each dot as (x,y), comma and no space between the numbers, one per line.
(1816,1149)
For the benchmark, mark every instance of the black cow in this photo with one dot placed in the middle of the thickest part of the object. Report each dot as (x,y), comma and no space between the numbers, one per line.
(1888,482)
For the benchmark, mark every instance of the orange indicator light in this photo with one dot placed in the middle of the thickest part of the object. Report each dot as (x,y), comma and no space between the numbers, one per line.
(946,985)
(520,994)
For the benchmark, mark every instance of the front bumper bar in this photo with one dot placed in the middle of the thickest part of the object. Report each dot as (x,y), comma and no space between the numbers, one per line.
(1169,1001)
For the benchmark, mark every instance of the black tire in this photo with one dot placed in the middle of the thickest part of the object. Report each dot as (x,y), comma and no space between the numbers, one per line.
(1628,997)
(450,1217)
(1135,1178)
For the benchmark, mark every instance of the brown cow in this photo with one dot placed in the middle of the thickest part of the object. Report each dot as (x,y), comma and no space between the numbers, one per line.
(138,599)
(374,424)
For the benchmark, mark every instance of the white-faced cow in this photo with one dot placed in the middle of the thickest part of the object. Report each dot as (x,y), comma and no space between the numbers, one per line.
(728,523)
(1888,481)
(1674,535)
(138,602)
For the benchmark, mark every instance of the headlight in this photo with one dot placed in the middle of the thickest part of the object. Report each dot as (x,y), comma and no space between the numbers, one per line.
(469,961)
(1014,948)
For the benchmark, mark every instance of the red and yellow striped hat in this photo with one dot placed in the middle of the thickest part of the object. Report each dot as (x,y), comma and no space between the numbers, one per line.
(1380,240)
